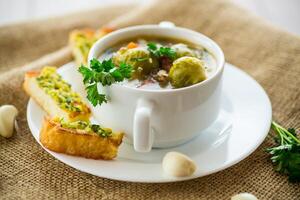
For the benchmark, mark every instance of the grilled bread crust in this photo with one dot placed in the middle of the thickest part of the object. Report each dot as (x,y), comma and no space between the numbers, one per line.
(79,143)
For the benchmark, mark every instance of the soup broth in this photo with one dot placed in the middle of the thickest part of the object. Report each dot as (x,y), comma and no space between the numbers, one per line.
(162,63)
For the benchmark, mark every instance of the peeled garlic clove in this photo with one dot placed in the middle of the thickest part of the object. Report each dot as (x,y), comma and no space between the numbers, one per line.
(244,196)
(178,165)
(8,115)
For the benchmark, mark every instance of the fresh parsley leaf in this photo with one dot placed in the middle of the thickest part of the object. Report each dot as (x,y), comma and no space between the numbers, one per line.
(152,46)
(125,69)
(107,65)
(105,73)
(106,79)
(122,72)
(93,96)
(286,155)
(96,65)
(88,75)
(117,75)
(168,52)
(161,51)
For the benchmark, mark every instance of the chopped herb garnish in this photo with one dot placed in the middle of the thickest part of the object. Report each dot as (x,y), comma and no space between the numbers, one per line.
(93,96)
(286,155)
(161,51)
(152,46)
(104,72)
(86,126)
(60,91)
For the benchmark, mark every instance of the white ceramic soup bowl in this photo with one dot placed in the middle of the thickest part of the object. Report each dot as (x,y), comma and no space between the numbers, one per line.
(160,118)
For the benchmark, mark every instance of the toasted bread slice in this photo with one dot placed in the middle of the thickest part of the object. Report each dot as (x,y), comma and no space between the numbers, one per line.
(79,142)
(82,40)
(56,97)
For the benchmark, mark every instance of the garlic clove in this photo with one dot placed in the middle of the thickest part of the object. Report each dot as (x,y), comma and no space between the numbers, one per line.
(244,196)
(178,165)
(8,114)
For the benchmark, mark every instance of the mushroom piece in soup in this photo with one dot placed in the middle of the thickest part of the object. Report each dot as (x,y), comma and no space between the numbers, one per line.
(162,63)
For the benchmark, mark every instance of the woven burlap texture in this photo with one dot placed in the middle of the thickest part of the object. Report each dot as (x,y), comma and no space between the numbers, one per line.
(268,54)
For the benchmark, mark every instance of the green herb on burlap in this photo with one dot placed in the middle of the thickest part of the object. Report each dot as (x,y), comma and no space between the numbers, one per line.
(286,155)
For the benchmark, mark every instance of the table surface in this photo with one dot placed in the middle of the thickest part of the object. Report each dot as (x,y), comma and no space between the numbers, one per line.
(283,13)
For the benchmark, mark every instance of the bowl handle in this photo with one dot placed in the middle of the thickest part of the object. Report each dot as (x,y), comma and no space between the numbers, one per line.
(142,132)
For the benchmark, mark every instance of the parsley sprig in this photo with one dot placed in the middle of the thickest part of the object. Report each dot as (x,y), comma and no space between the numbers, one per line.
(104,72)
(286,155)
(161,51)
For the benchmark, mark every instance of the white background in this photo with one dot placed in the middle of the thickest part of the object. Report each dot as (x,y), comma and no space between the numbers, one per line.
(283,13)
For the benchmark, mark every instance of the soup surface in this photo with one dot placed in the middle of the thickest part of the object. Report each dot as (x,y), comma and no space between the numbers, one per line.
(162,63)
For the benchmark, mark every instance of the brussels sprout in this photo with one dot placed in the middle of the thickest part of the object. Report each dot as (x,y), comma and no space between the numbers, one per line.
(183,50)
(186,71)
(139,58)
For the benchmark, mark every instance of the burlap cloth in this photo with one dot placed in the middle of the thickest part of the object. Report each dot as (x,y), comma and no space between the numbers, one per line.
(268,54)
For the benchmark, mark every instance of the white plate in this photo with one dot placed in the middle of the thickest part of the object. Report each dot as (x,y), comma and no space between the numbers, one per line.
(241,127)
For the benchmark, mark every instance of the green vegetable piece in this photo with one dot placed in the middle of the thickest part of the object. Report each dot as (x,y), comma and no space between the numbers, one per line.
(140,60)
(186,71)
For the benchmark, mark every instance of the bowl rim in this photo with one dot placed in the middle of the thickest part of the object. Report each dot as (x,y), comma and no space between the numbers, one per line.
(217,53)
